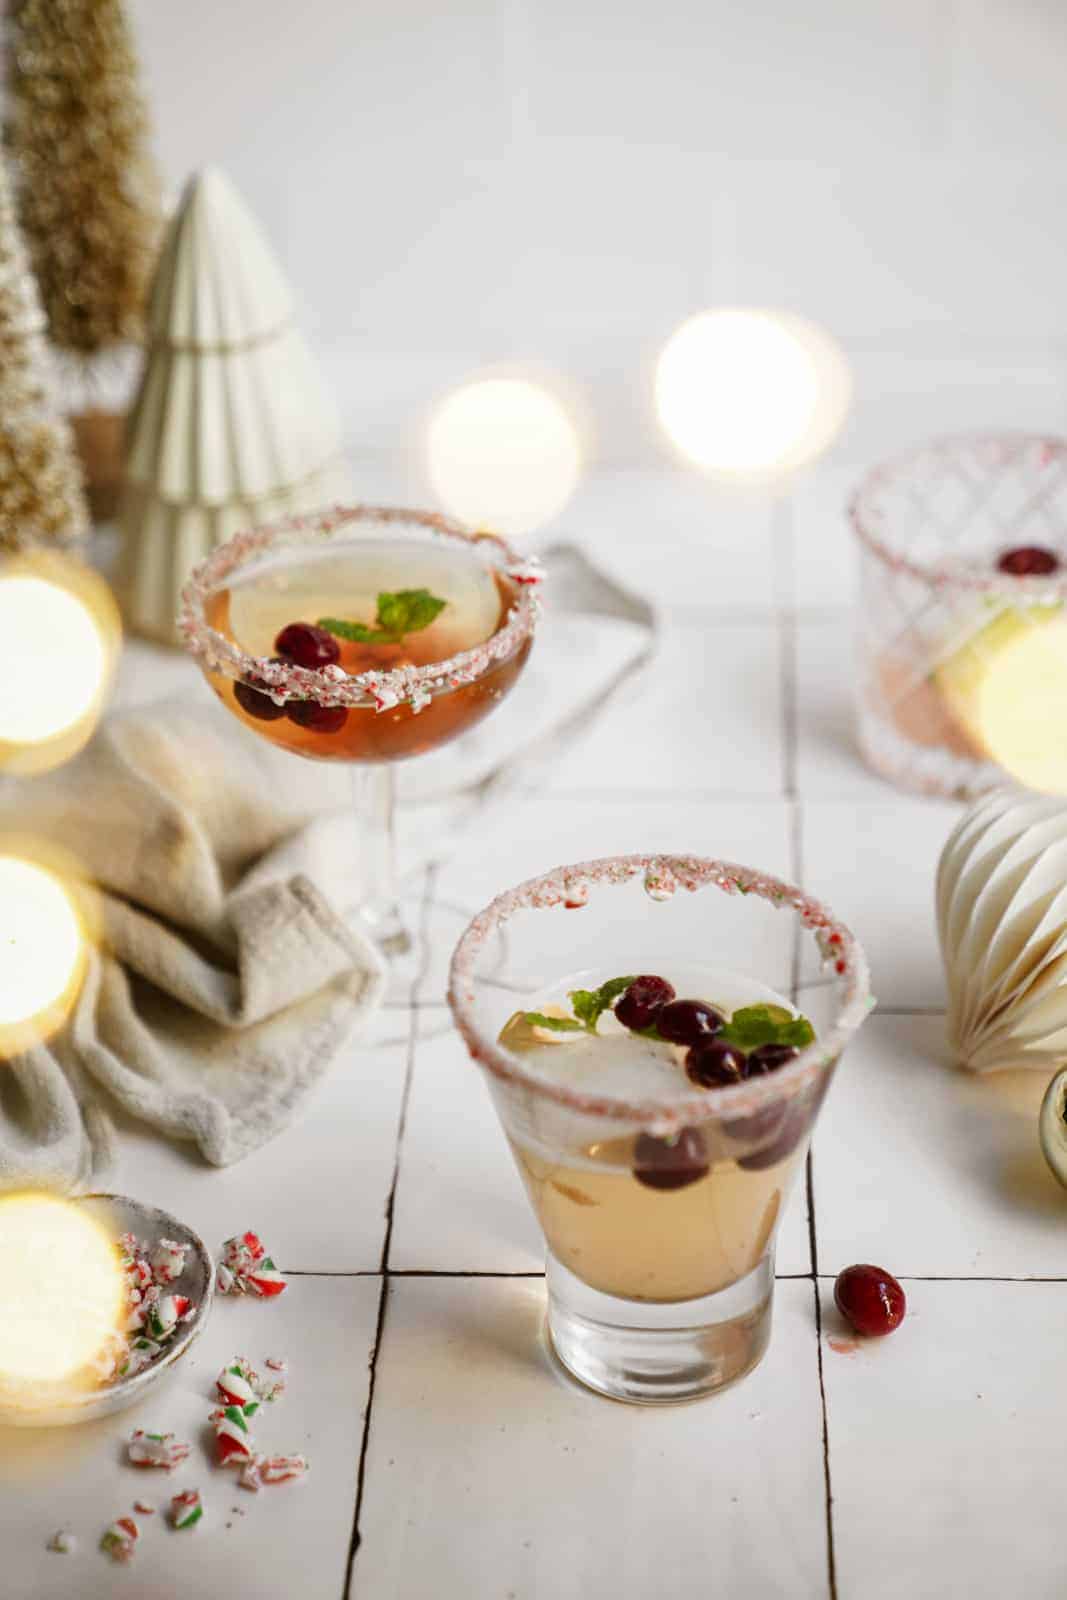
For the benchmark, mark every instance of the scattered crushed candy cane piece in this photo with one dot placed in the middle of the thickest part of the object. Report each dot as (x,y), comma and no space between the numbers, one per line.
(276,1364)
(144,1508)
(245,1265)
(186,1509)
(272,1469)
(265,1279)
(63,1542)
(279,1469)
(238,1384)
(168,1260)
(156,1450)
(233,1442)
(270,1391)
(120,1539)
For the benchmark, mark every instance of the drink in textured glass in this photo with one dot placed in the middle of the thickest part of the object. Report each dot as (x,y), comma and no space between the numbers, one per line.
(658,1109)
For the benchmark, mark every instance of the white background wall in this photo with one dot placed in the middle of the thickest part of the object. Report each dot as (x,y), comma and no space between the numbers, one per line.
(457,182)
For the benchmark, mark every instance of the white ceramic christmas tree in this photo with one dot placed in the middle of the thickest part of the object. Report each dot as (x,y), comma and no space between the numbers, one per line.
(232,424)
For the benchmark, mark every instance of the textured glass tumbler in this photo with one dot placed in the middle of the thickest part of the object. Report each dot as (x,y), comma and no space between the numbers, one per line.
(962,645)
(660,1211)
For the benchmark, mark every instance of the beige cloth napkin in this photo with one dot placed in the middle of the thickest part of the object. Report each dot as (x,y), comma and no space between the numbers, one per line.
(224,983)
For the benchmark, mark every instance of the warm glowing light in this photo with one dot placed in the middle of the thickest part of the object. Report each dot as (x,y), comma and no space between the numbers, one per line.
(58,637)
(746,393)
(61,1290)
(42,953)
(503,454)
(1022,706)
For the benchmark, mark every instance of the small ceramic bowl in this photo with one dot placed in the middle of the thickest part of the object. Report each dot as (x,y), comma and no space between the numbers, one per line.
(1052,1126)
(62,1406)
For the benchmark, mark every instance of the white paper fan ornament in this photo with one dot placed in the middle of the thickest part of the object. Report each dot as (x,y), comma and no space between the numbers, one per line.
(232,424)
(1002,922)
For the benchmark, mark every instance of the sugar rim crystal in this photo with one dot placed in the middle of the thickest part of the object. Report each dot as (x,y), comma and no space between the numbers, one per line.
(663,876)
(332,686)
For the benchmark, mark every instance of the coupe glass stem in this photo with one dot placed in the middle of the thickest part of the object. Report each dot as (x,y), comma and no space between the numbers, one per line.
(373,794)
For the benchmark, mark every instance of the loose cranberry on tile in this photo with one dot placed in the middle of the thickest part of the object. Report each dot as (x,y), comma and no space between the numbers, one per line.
(871,1299)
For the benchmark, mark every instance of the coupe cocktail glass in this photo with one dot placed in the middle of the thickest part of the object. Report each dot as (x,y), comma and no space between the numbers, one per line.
(384,699)
(660,1200)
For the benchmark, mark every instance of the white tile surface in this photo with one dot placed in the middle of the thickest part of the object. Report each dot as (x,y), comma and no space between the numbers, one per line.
(497,1477)
(78,1477)
(971,1504)
(874,864)
(708,719)
(317,1194)
(677,538)
(931,1170)
(828,762)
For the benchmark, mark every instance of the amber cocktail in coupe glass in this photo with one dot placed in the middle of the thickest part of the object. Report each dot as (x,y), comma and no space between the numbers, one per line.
(658,1093)
(366,635)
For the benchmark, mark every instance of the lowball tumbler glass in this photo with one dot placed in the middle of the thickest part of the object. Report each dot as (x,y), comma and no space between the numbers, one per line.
(659,1283)
(962,681)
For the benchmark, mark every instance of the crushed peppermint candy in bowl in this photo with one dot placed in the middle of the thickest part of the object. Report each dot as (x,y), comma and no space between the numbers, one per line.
(168,1282)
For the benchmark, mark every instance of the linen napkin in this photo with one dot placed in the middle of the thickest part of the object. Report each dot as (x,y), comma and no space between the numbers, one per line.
(224,983)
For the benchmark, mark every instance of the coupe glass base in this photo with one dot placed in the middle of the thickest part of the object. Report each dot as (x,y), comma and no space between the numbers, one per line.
(655,1354)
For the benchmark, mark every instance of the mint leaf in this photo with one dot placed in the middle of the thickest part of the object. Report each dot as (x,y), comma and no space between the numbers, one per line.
(406,611)
(537,1019)
(753,1026)
(358,632)
(589,1004)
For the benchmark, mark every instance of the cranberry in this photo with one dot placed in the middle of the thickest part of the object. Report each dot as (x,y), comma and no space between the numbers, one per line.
(320,719)
(871,1299)
(307,645)
(687,1021)
(641,1003)
(252,697)
(1029,561)
(670,1163)
(769,1057)
(714,1064)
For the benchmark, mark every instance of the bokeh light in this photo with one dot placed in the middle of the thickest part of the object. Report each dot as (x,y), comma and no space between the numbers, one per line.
(1022,706)
(747,393)
(61,1289)
(59,637)
(43,950)
(503,454)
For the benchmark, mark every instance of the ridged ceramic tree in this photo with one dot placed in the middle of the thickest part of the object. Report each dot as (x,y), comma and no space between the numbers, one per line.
(232,424)
(41,500)
(89,203)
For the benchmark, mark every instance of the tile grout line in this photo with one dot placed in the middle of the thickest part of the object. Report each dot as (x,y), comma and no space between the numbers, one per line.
(460,1273)
(784,527)
(387,1238)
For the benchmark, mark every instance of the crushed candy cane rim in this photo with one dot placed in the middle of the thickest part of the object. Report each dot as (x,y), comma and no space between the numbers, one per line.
(332,686)
(867,511)
(663,876)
